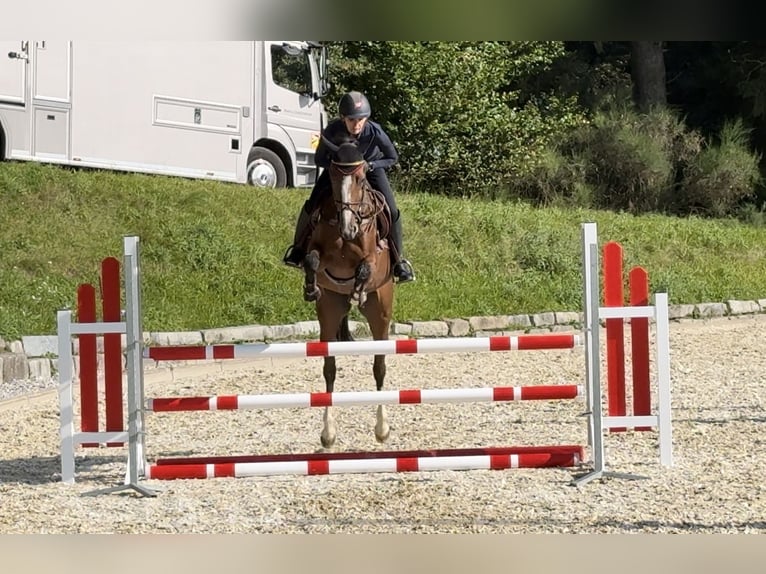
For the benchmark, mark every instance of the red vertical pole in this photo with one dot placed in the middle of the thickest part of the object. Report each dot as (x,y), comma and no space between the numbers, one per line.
(615,337)
(638,281)
(110,296)
(86,313)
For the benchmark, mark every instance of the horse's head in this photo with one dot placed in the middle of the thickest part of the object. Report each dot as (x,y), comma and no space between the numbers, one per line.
(354,204)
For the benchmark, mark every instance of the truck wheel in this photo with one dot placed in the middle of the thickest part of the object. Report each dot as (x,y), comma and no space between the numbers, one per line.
(265,169)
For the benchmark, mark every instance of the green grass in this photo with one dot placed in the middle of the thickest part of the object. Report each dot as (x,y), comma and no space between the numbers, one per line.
(211,252)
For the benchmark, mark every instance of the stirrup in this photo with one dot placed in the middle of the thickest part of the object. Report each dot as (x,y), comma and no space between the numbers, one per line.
(294,257)
(403,271)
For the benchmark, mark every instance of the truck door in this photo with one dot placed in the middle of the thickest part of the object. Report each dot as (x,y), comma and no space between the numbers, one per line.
(290,102)
(13,72)
(15,95)
(52,99)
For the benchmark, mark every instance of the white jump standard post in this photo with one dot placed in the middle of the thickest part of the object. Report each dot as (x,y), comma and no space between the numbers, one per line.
(135,374)
(597,422)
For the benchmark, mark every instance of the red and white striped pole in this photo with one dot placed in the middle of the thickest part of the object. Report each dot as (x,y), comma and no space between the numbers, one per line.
(403,397)
(387,347)
(492,458)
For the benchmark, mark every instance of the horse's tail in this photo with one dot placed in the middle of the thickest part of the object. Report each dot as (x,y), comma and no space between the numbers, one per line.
(344,333)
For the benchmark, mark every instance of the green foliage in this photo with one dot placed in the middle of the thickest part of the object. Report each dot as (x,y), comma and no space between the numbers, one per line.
(633,160)
(457,111)
(721,176)
(598,73)
(620,160)
(211,253)
(557,179)
(626,160)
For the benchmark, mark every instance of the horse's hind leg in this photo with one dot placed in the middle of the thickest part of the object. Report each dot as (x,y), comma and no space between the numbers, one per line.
(330,311)
(378,314)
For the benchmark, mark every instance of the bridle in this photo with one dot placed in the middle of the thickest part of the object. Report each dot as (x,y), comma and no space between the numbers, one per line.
(366,210)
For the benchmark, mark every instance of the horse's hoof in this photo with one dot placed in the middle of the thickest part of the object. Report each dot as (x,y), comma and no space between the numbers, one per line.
(327,442)
(358,299)
(311,294)
(381,435)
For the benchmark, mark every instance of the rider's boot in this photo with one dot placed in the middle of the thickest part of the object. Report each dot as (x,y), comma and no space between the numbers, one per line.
(296,253)
(403,271)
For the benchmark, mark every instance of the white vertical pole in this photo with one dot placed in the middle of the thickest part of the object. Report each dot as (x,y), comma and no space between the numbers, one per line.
(588,232)
(664,426)
(595,370)
(592,353)
(133,334)
(66,402)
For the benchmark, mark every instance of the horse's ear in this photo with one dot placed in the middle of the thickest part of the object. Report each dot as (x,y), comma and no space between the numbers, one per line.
(331,146)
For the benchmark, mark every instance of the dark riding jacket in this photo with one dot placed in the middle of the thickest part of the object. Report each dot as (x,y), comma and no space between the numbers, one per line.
(376,146)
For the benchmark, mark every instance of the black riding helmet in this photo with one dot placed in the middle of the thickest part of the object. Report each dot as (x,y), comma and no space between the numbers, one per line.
(354,105)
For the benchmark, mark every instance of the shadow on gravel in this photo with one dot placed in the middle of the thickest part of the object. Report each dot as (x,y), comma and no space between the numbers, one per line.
(729,420)
(558,526)
(723,420)
(734,413)
(685,526)
(47,469)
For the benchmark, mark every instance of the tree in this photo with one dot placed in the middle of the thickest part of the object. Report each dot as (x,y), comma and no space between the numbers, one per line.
(647,68)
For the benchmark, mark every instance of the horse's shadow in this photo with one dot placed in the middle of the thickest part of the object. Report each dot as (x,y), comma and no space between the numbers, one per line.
(736,413)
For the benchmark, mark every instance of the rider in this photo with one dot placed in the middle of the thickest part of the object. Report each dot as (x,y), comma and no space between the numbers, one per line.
(379,152)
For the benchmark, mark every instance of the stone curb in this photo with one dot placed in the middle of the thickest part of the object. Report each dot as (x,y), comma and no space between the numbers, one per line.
(37,356)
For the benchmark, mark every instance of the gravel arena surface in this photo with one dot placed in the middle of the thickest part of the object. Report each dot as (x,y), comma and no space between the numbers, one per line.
(718,370)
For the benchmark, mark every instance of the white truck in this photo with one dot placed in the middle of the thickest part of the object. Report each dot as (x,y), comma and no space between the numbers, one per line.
(244,111)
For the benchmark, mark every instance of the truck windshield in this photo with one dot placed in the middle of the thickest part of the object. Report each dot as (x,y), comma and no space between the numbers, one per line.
(291,69)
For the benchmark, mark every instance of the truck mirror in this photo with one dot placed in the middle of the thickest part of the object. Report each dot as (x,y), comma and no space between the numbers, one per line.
(291,50)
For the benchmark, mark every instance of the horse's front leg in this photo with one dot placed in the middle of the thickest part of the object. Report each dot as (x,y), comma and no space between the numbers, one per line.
(331,310)
(382,428)
(361,278)
(329,430)
(311,290)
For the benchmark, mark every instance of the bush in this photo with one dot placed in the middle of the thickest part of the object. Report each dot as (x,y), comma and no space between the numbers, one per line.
(556,180)
(625,160)
(720,177)
(621,160)
(634,160)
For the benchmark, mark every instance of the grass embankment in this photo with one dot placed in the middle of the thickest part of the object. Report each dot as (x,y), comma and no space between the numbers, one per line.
(211,252)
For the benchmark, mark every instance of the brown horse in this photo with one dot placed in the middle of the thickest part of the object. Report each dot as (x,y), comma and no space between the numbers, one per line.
(347,263)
